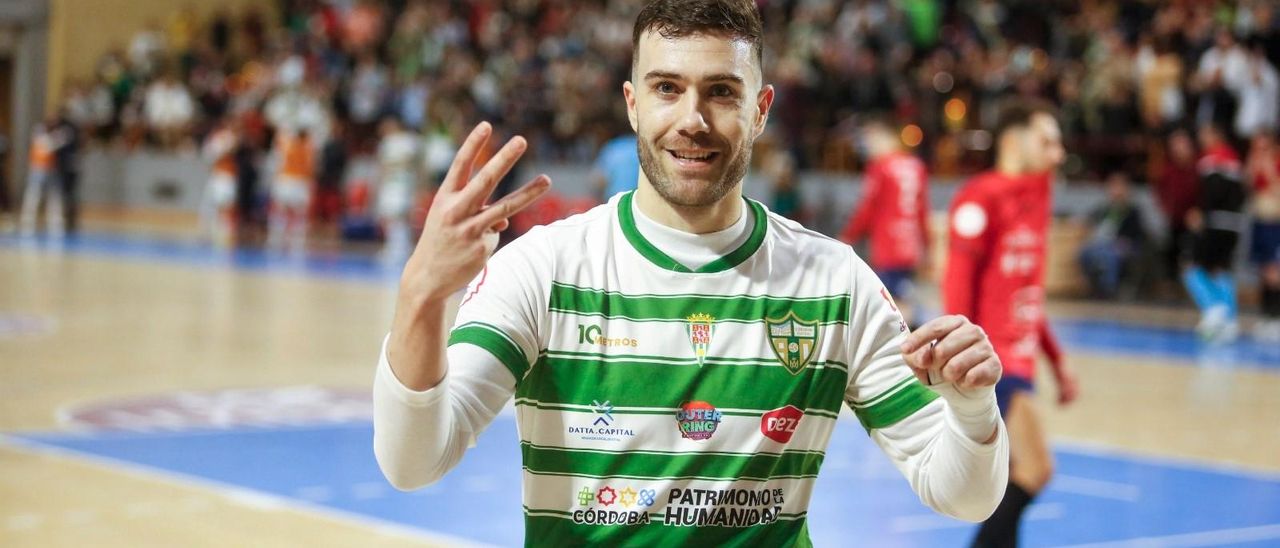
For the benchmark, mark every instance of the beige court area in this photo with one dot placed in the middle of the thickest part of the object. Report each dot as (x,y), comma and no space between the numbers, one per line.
(120,328)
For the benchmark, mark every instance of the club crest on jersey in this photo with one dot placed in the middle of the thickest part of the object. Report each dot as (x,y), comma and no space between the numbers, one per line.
(793,341)
(700,327)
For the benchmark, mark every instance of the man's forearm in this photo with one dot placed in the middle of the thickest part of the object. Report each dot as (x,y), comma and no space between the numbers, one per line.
(956,456)
(416,348)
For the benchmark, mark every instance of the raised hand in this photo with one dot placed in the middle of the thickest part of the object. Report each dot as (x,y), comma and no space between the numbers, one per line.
(461,231)
(952,349)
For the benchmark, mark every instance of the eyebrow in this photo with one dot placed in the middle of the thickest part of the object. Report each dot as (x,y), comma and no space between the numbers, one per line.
(666,75)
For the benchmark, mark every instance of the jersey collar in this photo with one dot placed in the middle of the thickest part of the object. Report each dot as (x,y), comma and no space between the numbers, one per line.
(627,219)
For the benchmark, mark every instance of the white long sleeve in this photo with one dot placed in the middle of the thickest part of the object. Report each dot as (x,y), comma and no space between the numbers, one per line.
(419,436)
(935,442)
(952,472)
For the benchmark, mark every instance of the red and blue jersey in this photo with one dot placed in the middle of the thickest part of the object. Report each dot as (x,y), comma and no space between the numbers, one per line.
(894,210)
(999,226)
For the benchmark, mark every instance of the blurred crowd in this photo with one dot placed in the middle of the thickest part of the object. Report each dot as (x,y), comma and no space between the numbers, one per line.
(1123,71)
(1134,81)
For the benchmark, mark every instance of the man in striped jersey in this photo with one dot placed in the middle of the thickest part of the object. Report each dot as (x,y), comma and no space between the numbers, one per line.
(679,355)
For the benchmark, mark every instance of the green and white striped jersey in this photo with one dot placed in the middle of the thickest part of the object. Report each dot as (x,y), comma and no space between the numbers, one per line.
(664,406)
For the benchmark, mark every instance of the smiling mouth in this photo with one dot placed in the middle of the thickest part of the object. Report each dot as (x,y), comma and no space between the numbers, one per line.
(694,157)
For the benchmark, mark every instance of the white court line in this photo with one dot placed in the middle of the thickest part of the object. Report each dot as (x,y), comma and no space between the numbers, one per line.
(1089,487)
(1094,449)
(240,494)
(1219,537)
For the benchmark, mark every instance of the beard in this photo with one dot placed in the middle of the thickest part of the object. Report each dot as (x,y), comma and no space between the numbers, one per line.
(692,193)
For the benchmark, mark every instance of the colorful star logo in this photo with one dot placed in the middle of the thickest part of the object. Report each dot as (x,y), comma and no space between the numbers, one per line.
(600,496)
(627,497)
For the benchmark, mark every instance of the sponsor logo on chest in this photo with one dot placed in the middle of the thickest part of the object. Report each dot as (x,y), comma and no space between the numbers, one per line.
(697,420)
(780,424)
(603,426)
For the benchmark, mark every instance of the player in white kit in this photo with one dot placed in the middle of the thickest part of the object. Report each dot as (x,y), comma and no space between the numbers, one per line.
(217,209)
(398,163)
(678,356)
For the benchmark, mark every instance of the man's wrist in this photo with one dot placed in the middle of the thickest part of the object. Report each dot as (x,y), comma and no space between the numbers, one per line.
(420,299)
(973,412)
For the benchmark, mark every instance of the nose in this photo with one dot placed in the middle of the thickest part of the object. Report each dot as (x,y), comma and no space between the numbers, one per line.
(693,119)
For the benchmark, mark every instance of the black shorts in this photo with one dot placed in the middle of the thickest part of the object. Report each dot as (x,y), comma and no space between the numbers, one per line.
(899,282)
(1266,243)
(1214,249)
(1007,387)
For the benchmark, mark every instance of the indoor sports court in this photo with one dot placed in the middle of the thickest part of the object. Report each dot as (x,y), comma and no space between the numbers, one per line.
(177,369)
(158,392)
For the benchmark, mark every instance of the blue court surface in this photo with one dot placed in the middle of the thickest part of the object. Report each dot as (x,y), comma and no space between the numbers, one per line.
(1098,496)
(860,499)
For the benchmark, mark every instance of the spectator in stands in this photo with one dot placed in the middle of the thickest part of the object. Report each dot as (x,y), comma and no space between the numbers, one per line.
(363,25)
(169,110)
(1257,88)
(97,111)
(1160,78)
(780,168)
(411,103)
(1216,104)
(1177,191)
(298,108)
(1263,169)
(1117,240)
(369,88)
(220,31)
(146,49)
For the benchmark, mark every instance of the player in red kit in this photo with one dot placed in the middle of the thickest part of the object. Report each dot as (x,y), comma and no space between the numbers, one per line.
(999,224)
(894,211)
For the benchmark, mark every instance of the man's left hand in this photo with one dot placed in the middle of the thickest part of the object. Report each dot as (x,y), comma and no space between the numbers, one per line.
(954,349)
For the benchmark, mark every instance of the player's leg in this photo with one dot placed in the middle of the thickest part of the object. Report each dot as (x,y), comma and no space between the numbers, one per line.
(278,215)
(1222,266)
(1031,463)
(300,205)
(207,211)
(1265,252)
(1031,460)
(53,206)
(31,202)
(223,198)
(1210,295)
(1270,277)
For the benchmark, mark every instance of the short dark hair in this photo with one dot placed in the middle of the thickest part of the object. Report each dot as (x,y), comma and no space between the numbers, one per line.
(738,19)
(1017,114)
